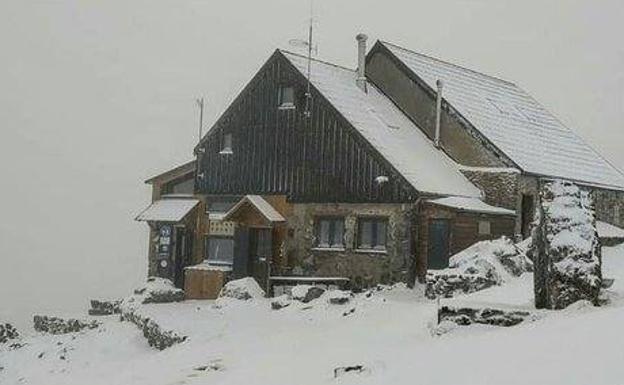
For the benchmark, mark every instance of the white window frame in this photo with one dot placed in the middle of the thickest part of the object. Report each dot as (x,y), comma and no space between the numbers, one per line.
(226,145)
(286,105)
(484,227)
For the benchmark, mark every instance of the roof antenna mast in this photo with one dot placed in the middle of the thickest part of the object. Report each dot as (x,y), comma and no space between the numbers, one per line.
(310,31)
(309,45)
(200,104)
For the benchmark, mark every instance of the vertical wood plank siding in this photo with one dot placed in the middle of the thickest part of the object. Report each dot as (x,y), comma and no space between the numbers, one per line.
(278,151)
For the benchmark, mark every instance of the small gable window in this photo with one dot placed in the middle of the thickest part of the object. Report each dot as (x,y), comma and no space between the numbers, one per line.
(330,233)
(286,97)
(484,228)
(372,234)
(226,144)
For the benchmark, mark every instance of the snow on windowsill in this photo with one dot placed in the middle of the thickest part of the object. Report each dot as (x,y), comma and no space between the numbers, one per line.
(371,251)
(337,249)
(288,106)
(212,266)
(226,151)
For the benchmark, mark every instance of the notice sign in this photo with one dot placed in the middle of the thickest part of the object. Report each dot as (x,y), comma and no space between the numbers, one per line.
(164,241)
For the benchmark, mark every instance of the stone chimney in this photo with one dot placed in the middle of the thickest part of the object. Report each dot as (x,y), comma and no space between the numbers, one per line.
(361,70)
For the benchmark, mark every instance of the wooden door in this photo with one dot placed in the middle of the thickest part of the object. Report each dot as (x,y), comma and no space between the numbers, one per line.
(261,250)
(241,252)
(527,214)
(182,257)
(438,244)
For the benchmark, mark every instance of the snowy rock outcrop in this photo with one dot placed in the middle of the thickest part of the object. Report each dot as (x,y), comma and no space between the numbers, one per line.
(159,290)
(55,325)
(566,247)
(155,290)
(7,332)
(480,266)
(242,289)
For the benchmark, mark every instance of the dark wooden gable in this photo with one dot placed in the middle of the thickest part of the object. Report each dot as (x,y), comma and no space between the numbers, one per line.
(279,151)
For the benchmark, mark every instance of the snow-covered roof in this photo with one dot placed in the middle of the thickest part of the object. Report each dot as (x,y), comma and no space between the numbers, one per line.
(471,204)
(387,129)
(514,122)
(186,168)
(260,204)
(167,210)
(607,230)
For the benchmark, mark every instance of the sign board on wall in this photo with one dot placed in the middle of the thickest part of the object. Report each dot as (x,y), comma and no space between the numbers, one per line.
(222,228)
(164,241)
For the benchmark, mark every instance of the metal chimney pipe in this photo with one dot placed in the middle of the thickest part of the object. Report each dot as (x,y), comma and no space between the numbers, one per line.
(436,139)
(361,71)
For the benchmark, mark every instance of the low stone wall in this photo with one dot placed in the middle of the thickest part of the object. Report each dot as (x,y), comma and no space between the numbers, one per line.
(156,337)
(104,307)
(448,283)
(486,316)
(55,325)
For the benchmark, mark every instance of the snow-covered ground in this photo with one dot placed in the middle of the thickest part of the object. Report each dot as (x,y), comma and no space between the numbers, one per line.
(389,333)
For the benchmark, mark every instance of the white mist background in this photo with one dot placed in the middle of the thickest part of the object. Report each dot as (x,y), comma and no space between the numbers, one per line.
(95,97)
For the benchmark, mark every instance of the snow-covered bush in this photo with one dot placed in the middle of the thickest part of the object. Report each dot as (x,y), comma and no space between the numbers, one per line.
(566,247)
(478,267)
(498,259)
(243,289)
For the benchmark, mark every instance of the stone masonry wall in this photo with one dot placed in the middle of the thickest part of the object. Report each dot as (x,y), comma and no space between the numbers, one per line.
(500,187)
(364,269)
(609,206)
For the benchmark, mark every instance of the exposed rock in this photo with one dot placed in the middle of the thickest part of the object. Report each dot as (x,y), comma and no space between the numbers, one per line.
(243,289)
(306,293)
(338,297)
(341,370)
(104,307)
(466,316)
(7,332)
(566,247)
(212,366)
(280,302)
(55,325)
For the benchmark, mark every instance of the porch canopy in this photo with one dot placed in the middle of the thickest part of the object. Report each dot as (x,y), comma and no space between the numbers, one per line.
(471,205)
(258,205)
(167,210)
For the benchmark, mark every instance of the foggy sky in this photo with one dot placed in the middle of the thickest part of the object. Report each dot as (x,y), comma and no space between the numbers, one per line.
(97,96)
